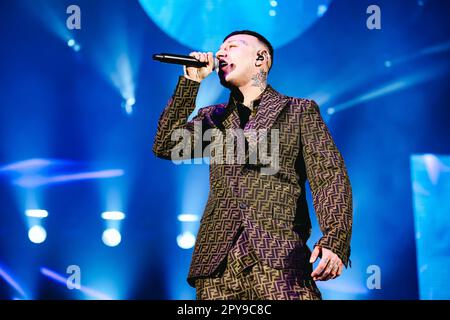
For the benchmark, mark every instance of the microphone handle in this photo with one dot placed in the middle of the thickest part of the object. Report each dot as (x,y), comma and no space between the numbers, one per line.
(179,59)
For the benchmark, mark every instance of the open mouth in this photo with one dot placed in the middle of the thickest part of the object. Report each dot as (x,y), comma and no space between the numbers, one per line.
(222,64)
(225,66)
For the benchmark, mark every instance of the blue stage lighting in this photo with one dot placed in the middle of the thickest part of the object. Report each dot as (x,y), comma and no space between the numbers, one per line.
(36,213)
(37,234)
(131,101)
(74,45)
(431,186)
(401,83)
(111,237)
(113,215)
(186,217)
(290,19)
(58,278)
(128,105)
(13,283)
(34,173)
(321,9)
(186,240)
(49,13)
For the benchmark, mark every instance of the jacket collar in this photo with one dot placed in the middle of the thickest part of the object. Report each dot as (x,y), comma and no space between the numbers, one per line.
(272,103)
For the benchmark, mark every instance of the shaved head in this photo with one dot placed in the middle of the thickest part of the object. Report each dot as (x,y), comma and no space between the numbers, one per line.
(262,41)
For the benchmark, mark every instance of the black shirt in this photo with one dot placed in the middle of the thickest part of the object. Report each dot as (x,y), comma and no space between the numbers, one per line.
(245,112)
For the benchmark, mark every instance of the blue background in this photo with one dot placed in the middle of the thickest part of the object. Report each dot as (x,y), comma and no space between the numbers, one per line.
(389,90)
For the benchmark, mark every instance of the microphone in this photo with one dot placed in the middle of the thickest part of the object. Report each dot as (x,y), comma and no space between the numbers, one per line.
(187,61)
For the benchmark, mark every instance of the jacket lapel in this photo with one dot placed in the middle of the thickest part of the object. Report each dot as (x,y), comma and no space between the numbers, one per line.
(232,120)
(272,103)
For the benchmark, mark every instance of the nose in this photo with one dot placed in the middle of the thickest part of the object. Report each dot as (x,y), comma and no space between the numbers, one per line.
(220,54)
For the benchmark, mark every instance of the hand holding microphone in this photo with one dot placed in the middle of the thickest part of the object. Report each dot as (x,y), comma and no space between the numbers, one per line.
(197,66)
(198,74)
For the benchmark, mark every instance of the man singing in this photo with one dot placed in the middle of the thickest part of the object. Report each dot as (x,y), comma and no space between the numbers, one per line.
(252,238)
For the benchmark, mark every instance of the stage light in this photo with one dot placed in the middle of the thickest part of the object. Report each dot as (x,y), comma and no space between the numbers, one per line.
(37,234)
(74,45)
(131,101)
(406,81)
(113,215)
(7,277)
(113,219)
(111,237)
(186,240)
(293,18)
(34,173)
(321,10)
(331,111)
(36,213)
(128,105)
(58,278)
(388,64)
(51,14)
(186,217)
(71,43)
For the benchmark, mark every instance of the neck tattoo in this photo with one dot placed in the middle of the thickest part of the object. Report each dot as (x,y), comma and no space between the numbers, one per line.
(260,80)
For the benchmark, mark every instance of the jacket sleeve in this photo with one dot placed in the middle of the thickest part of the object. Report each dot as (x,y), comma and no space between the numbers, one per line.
(329,182)
(175,117)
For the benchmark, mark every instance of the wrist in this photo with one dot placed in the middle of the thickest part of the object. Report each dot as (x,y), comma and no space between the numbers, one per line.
(192,79)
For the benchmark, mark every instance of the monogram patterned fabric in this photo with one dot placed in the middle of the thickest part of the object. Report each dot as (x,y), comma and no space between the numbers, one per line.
(259,282)
(271,208)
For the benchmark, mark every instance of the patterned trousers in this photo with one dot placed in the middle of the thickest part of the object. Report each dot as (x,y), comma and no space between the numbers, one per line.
(243,277)
(258,282)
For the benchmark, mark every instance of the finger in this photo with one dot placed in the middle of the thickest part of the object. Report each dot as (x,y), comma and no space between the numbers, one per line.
(341,268)
(335,272)
(320,268)
(195,54)
(326,274)
(338,270)
(331,270)
(314,254)
(325,260)
(210,59)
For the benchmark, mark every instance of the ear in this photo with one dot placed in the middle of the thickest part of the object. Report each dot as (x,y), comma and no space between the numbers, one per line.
(262,57)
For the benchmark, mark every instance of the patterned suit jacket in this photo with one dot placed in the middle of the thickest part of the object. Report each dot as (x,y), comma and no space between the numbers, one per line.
(272,208)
